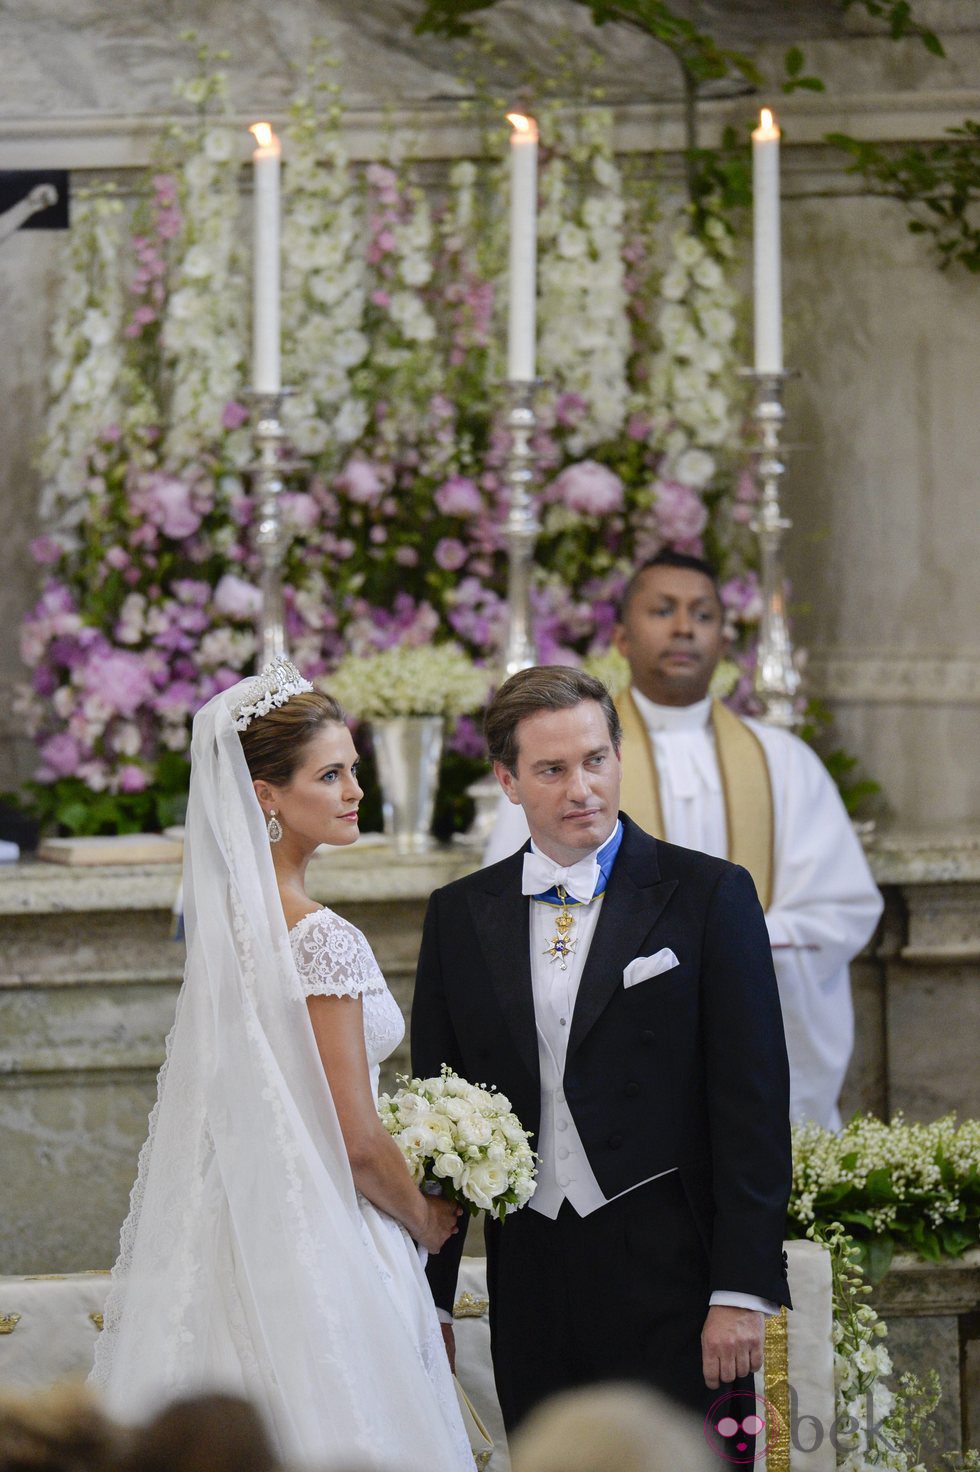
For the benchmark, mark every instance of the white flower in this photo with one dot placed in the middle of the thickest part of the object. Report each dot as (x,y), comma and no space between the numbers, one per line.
(674,283)
(473,1129)
(695,468)
(707,273)
(219,145)
(482,1181)
(449,1164)
(97,328)
(688,250)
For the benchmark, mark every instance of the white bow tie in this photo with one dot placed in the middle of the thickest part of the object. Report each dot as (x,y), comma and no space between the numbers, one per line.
(579,880)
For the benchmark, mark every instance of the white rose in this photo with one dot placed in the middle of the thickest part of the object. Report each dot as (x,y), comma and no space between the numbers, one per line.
(481,1182)
(449,1164)
(473,1129)
(572,242)
(97,328)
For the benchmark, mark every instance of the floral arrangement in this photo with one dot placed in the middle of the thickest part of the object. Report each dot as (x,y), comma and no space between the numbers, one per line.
(392,306)
(463,1138)
(420,680)
(897,1186)
(874,1425)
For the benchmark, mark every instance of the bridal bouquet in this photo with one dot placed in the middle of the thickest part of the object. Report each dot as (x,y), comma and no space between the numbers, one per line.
(464,1139)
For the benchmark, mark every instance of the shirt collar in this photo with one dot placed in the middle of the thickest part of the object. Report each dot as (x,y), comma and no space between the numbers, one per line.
(673,717)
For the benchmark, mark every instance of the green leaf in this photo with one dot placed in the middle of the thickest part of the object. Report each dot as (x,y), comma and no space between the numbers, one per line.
(880,1251)
(793,61)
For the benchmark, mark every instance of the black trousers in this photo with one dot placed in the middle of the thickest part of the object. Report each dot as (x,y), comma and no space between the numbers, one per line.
(620,1294)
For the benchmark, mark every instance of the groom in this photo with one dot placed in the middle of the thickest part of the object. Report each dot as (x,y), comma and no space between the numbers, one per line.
(621,992)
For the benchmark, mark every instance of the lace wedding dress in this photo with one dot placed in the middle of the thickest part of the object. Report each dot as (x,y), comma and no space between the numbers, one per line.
(248,1262)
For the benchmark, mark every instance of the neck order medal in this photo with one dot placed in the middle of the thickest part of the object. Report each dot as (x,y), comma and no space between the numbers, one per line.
(563,942)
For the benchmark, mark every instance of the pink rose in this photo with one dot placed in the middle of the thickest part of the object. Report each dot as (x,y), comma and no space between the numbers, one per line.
(132,778)
(589,488)
(458,496)
(236,598)
(679,513)
(301,510)
(362,480)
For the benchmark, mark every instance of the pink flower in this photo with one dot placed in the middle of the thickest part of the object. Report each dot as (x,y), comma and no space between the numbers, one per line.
(407,557)
(61,755)
(450,554)
(380,299)
(167,502)
(119,679)
(679,514)
(638,427)
(362,480)
(132,778)
(45,551)
(588,488)
(301,510)
(117,557)
(458,496)
(236,598)
(233,415)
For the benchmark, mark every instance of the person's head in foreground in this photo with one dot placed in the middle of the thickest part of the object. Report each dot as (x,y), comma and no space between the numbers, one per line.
(610,1428)
(203,1433)
(671,628)
(61,1429)
(553,737)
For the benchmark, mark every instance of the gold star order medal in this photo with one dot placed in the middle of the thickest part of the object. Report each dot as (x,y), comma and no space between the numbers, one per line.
(563,942)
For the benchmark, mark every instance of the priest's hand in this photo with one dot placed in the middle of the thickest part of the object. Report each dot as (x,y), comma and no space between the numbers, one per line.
(731,1344)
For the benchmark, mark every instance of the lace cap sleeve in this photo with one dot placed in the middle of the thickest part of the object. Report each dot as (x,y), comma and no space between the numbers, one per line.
(333,958)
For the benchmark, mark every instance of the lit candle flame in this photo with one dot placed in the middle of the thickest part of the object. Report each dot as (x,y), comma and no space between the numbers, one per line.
(262,132)
(765,119)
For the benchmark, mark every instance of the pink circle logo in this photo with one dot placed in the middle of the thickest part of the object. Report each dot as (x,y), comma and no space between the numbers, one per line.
(738,1426)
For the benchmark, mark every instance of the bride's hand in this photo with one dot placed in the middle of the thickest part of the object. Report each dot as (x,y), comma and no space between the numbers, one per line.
(441,1221)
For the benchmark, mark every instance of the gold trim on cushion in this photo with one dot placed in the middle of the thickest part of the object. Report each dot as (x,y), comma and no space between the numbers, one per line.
(8,1323)
(745,782)
(776,1374)
(98,1320)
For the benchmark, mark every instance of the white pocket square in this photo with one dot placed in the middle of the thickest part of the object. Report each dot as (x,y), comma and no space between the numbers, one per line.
(644,967)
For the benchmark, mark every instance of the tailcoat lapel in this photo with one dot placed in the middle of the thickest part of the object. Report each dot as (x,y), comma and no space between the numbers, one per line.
(634,900)
(501,917)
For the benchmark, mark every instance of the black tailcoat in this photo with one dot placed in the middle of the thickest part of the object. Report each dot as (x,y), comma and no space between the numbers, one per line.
(684,1071)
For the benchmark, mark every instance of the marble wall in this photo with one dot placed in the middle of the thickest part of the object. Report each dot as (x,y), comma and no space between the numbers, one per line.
(883,482)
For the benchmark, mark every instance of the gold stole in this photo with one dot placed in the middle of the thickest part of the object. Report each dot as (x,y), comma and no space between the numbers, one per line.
(745,785)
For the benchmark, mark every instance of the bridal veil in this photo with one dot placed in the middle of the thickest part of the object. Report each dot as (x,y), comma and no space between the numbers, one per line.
(244,1262)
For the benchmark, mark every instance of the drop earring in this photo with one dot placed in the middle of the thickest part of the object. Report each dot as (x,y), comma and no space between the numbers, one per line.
(274,827)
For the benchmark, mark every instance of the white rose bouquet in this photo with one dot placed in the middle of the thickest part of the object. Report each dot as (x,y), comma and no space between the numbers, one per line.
(463,1138)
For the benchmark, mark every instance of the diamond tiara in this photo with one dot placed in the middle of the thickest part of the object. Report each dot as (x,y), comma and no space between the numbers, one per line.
(272,687)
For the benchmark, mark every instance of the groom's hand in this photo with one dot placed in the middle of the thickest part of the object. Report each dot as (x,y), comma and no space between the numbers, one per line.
(731,1344)
(449,1339)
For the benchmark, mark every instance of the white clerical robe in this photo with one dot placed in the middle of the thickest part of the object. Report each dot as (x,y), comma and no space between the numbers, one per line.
(825,904)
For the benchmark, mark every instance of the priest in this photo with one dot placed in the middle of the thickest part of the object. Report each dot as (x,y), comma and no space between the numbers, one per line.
(697,775)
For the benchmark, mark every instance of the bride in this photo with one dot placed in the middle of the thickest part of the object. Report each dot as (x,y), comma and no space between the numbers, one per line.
(269,1245)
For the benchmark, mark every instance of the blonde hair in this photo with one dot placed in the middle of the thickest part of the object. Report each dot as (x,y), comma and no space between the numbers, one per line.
(610,1428)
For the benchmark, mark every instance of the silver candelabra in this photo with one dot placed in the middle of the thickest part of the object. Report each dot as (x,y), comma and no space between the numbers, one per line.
(521,528)
(777,680)
(267,471)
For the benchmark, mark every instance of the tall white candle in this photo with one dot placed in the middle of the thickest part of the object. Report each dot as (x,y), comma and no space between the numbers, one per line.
(265,279)
(522,279)
(766,258)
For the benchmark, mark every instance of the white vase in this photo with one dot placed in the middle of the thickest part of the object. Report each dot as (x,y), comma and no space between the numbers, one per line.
(408,749)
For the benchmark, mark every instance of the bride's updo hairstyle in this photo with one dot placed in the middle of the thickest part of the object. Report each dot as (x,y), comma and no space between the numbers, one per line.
(274,743)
